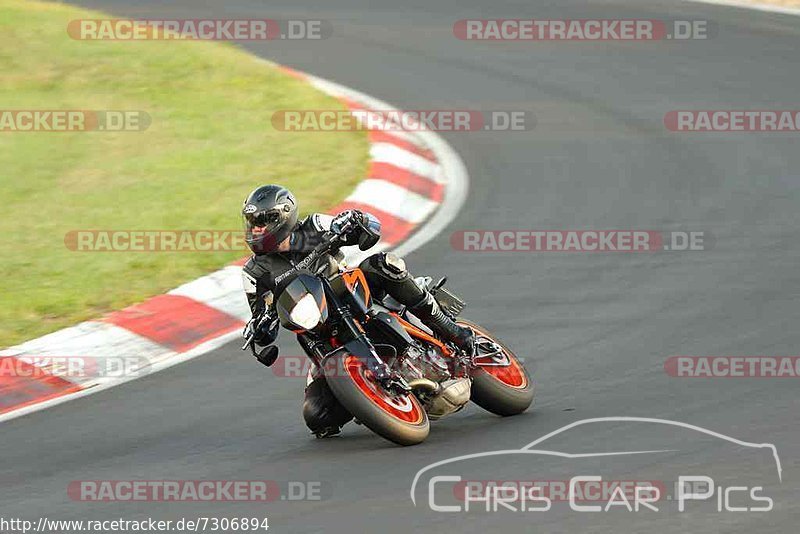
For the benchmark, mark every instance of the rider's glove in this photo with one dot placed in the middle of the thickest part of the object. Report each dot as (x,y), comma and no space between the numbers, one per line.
(264,331)
(265,328)
(348,225)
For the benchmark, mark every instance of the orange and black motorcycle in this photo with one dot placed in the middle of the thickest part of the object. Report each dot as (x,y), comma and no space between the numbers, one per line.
(386,367)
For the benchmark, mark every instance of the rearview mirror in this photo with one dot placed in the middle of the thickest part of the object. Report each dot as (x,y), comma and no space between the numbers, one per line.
(268,355)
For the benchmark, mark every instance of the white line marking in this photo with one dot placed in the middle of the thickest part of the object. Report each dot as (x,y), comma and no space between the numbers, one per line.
(389,153)
(451,167)
(747,5)
(160,366)
(393,199)
(221,290)
(455,171)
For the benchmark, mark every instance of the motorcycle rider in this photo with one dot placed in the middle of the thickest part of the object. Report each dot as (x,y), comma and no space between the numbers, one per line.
(278,242)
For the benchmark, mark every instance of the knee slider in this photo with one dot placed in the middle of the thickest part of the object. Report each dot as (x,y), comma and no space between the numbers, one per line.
(391,265)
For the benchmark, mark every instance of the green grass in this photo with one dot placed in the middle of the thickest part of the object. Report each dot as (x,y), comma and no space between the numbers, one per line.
(209,144)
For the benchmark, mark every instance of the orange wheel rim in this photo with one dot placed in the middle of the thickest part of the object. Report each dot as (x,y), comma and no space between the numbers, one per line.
(511,375)
(403,407)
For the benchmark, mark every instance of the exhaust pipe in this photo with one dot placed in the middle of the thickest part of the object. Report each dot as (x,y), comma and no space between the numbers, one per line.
(425,384)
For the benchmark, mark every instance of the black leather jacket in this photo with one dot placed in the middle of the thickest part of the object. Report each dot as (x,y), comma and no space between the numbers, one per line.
(261,271)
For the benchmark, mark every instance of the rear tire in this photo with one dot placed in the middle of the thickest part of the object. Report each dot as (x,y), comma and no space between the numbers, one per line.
(502,391)
(400,419)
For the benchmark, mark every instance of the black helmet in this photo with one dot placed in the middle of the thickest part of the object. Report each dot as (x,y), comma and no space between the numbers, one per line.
(269,215)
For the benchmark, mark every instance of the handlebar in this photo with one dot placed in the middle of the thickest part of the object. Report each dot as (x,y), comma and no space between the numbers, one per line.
(331,243)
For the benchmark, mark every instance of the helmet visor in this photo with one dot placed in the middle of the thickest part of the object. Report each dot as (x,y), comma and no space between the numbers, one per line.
(266,229)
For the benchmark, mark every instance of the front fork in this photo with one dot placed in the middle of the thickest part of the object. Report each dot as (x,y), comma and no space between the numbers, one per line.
(354,341)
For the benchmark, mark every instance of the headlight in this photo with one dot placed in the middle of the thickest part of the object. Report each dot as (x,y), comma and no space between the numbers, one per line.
(306,313)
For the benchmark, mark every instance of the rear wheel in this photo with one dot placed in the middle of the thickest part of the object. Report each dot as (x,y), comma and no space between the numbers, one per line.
(501,389)
(398,418)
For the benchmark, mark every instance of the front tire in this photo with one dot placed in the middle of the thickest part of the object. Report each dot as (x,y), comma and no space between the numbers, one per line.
(400,419)
(502,391)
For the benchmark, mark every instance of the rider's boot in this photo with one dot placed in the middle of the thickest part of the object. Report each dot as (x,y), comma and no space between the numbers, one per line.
(387,271)
(324,415)
(429,312)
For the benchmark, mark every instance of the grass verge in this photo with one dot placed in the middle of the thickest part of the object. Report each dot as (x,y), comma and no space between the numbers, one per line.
(210,142)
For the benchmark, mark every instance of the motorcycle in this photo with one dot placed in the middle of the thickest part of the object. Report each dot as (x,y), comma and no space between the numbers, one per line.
(383,364)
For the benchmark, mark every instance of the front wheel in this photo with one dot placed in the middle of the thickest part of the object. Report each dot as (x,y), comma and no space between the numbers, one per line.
(502,390)
(398,418)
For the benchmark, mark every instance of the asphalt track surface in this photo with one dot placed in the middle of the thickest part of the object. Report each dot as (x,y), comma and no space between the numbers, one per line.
(598,326)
